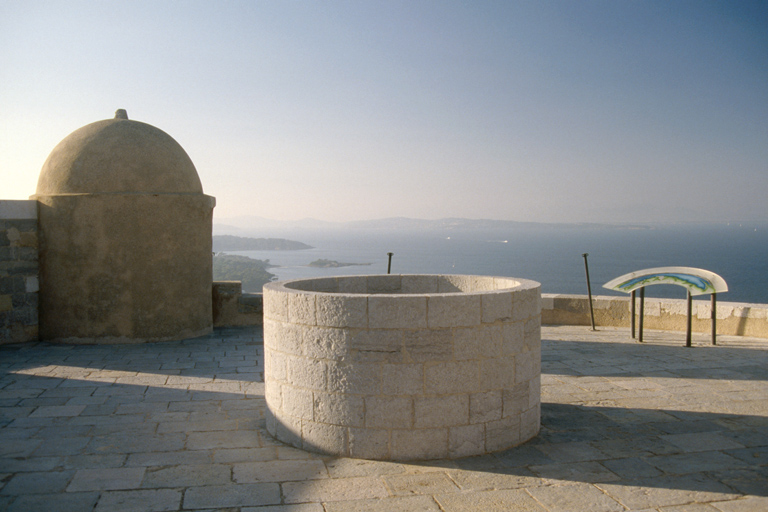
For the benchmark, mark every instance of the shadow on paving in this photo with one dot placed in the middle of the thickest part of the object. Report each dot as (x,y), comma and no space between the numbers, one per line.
(198,444)
(648,359)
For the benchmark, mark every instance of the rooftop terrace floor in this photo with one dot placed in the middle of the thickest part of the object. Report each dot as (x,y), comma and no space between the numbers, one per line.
(179,426)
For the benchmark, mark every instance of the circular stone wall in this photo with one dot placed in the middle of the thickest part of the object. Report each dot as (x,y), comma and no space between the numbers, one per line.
(403,367)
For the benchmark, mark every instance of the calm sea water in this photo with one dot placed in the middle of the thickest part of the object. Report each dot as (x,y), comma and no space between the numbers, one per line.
(551,256)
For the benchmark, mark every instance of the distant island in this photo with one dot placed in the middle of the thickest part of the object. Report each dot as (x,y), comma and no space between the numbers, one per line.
(239,243)
(321,263)
(251,272)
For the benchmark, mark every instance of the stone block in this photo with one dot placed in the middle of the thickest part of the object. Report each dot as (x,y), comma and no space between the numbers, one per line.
(496,306)
(326,342)
(525,304)
(360,378)
(386,412)
(497,373)
(275,365)
(451,377)
(6,304)
(297,403)
(324,438)
(453,311)
(512,337)
(477,343)
(466,440)
(419,284)
(525,366)
(502,434)
(402,379)
(378,345)
(419,444)
(288,430)
(341,311)
(516,400)
(307,373)
(404,312)
(368,443)
(273,395)
(454,283)
(485,406)
(301,308)
(31,284)
(384,284)
(338,409)
(530,423)
(441,411)
(275,305)
(428,345)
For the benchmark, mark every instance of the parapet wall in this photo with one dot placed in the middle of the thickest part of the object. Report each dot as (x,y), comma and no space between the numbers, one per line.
(733,318)
(19,283)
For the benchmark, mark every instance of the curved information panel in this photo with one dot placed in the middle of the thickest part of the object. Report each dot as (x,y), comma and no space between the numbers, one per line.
(695,280)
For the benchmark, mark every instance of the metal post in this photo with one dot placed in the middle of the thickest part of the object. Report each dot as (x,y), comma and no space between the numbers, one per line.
(714,319)
(642,312)
(689,320)
(389,263)
(589,291)
(632,311)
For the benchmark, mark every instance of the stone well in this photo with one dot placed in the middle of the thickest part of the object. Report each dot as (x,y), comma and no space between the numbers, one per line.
(403,367)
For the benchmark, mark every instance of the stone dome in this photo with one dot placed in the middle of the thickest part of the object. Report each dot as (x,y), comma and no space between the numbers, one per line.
(118,156)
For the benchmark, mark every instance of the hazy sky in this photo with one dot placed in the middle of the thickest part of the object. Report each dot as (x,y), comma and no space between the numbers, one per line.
(613,110)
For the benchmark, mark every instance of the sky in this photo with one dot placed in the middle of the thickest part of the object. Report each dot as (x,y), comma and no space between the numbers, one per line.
(545,111)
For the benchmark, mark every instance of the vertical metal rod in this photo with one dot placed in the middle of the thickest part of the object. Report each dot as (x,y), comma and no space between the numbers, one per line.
(389,263)
(688,321)
(632,312)
(714,319)
(589,291)
(642,313)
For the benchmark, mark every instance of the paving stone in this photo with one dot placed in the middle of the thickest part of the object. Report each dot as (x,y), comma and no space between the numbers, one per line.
(426,483)
(572,497)
(241,495)
(667,491)
(38,482)
(747,504)
(60,502)
(701,442)
(576,472)
(337,489)
(490,501)
(106,479)
(154,500)
(222,439)
(397,504)
(503,478)
(187,475)
(302,507)
(279,471)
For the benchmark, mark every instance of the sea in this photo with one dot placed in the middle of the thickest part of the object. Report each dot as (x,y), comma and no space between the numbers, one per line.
(553,255)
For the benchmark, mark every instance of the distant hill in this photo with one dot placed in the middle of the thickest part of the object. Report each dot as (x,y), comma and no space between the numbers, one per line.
(251,272)
(239,243)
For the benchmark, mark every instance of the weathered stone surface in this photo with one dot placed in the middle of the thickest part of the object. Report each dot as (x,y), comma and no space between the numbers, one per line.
(387,357)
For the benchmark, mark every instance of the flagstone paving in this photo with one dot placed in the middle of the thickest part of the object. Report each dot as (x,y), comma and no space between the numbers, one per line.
(180,426)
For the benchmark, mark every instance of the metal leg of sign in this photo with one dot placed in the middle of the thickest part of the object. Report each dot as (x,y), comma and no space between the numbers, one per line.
(688,322)
(632,310)
(642,312)
(714,319)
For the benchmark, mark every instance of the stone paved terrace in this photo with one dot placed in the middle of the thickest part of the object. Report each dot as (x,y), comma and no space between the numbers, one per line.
(179,426)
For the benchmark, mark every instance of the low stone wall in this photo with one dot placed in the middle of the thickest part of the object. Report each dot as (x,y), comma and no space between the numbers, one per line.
(19,270)
(231,307)
(732,318)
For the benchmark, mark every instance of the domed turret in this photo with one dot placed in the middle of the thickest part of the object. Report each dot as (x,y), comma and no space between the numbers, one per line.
(125,237)
(118,156)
